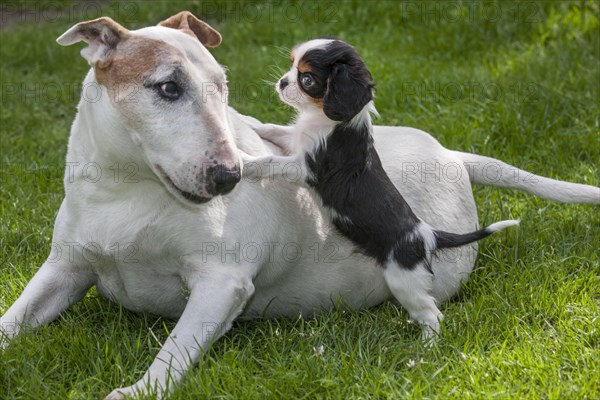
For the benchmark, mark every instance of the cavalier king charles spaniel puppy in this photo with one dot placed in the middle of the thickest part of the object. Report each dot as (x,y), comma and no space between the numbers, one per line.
(330,144)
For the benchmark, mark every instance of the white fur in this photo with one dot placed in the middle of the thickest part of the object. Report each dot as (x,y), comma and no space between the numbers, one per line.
(425,232)
(498,226)
(182,267)
(364,116)
(341,217)
(314,44)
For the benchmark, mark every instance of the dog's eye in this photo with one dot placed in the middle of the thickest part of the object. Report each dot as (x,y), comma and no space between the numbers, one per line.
(307,81)
(169,90)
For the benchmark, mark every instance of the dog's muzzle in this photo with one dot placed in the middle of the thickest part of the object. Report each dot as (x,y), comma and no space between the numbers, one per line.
(222,180)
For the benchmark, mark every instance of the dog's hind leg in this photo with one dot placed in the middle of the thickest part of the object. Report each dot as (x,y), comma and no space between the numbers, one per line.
(413,290)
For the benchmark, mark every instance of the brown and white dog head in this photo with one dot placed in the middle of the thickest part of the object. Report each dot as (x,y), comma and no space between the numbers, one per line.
(170,95)
(327,76)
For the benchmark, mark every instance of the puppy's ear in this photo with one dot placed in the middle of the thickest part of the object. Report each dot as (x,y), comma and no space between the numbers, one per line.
(102,34)
(188,23)
(346,93)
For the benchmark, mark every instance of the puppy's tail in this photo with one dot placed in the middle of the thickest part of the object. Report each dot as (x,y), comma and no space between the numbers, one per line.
(445,240)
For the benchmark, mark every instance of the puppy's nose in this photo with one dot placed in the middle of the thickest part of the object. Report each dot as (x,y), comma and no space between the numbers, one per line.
(283,82)
(224,179)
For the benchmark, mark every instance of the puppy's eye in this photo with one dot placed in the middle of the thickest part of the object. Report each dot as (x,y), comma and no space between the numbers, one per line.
(169,90)
(307,81)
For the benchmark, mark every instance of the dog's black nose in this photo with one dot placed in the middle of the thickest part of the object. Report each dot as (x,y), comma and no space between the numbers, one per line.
(283,82)
(224,179)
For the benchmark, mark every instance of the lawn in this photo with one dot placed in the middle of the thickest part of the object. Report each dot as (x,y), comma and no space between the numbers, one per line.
(515,81)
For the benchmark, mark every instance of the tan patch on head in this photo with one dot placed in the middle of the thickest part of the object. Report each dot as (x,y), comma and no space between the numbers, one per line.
(304,67)
(124,75)
(292,56)
(133,60)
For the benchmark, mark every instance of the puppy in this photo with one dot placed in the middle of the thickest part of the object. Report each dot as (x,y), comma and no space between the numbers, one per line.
(331,145)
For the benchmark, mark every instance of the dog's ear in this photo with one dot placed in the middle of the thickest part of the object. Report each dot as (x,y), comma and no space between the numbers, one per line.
(102,34)
(346,93)
(188,23)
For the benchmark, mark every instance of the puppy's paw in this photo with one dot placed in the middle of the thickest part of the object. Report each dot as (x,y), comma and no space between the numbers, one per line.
(250,166)
(431,332)
(252,122)
(429,337)
(246,158)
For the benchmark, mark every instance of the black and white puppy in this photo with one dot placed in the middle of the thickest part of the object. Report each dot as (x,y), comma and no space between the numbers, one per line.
(331,143)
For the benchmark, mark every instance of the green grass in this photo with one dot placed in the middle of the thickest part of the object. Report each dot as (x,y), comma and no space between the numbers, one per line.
(515,81)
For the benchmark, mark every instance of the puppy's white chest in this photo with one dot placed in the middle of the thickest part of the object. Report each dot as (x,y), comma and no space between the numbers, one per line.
(309,135)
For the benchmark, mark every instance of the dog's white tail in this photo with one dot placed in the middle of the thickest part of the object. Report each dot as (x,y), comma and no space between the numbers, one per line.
(492,172)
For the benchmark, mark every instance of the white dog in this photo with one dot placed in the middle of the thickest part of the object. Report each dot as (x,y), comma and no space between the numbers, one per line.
(203,258)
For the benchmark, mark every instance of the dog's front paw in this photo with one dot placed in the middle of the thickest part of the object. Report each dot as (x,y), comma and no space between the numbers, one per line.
(7,331)
(118,394)
(140,390)
(137,391)
(129,392)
